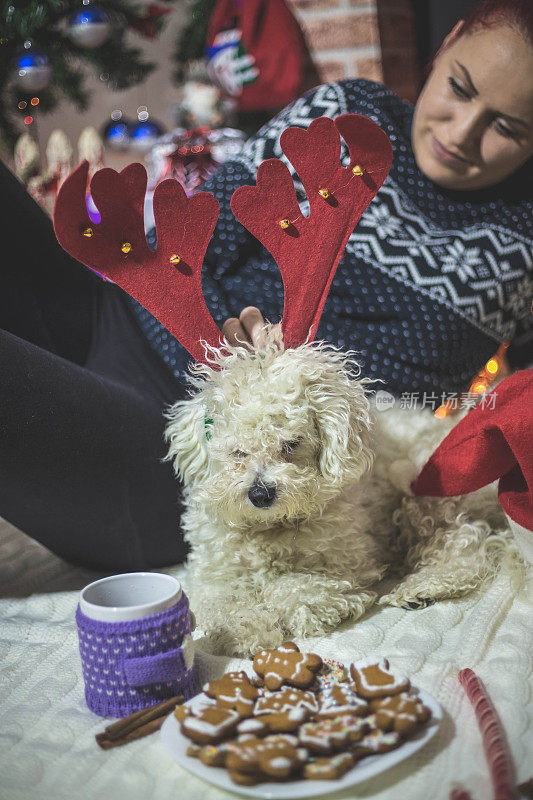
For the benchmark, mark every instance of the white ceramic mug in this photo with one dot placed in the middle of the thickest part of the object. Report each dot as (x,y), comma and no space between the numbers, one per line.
(128,596)
(136,649)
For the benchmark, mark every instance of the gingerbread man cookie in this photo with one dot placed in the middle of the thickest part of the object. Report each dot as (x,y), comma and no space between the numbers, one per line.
(286,710)
(329,768)
(277,757)
(329,735)
(376,742)
(252,726)
(401,713)
(210,725)
(214,755)
(234,690)
(285,701)
(341,699)
(373,679)
(287,666)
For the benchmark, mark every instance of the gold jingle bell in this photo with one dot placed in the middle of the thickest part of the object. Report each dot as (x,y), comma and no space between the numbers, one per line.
(357,170)
(325,193)
(87,232)
(175,260)
(284,223)
(126,247)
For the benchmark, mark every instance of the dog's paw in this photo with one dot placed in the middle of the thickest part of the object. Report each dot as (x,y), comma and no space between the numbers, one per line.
(242,633)
(418,602)
(316,620)
(405,600)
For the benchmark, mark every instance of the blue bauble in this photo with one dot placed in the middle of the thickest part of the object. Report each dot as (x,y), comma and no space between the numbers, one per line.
(145,133)
(89,28)
(117,135)
(33,71)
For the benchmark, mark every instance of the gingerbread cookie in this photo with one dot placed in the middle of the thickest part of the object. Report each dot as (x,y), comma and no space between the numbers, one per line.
(329,768)
(401,713)
(245,778)
(183,711)
(341,699)
(214,755)
(373,678)
(193,750)
(277,757)
(329,735)
(287,666)
(286,722)
(375,742)
(210,725)
(285,701)
(252,726)
(234,690)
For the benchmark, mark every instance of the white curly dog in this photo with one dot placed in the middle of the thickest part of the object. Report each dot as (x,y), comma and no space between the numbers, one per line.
(297,499)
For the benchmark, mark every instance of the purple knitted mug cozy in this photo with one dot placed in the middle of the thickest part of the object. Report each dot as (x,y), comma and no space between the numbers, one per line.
(131,665)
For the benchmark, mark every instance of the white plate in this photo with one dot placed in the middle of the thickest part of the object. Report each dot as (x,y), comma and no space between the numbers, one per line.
(368,767)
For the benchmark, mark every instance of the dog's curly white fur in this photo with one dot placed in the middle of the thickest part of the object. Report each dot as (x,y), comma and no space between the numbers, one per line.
(297,502)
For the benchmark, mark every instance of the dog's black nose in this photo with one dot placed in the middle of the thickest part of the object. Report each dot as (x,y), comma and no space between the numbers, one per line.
(262,495)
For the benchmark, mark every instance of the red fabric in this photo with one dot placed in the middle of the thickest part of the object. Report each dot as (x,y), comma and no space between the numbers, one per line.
(491,442)
(184,227)
(270,34)
(308,252)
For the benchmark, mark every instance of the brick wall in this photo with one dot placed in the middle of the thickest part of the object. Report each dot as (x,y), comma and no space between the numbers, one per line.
(372,39)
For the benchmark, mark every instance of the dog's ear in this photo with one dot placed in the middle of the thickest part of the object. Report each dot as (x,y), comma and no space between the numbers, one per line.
(187,433)
(343,421)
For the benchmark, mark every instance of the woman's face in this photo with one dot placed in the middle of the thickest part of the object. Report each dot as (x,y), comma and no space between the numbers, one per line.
(473,122)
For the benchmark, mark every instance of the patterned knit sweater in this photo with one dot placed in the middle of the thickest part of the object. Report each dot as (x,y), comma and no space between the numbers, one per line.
(431,281)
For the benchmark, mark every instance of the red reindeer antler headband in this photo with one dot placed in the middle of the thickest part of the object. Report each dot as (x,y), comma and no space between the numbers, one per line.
(307,250)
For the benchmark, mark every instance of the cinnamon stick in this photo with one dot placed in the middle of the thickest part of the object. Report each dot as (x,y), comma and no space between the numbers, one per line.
(120,730)
(143,730)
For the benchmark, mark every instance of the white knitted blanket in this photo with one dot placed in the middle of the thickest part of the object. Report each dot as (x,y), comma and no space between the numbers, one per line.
(47,746)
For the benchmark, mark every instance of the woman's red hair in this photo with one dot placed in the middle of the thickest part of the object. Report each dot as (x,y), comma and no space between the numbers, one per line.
(518,13)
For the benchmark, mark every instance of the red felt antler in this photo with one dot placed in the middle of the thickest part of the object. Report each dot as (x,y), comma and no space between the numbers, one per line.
(167,281)
(308,249)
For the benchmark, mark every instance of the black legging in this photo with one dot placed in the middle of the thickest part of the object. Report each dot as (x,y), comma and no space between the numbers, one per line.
(81,402)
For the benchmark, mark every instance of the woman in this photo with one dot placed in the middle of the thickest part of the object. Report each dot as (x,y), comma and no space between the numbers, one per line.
(436,276)
(438,271)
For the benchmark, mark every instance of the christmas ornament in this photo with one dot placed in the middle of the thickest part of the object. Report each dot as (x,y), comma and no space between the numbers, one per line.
(27,158)
(148,23)
(43,184)
(90,27)
(33,71)
(145,133)
(91,149)
(117,134)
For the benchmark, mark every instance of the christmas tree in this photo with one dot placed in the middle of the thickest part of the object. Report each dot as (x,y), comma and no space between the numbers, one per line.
(190,45)
(44,46)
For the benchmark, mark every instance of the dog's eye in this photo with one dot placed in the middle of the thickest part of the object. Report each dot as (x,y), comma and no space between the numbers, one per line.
(239,454)
(289,447)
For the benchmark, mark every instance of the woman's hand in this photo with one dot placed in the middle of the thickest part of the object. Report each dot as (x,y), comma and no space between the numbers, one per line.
(248,328)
